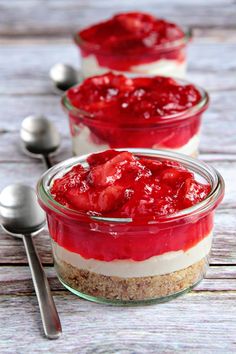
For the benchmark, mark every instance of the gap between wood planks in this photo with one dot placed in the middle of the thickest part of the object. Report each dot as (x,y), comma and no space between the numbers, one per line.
(62,292)
(69,15)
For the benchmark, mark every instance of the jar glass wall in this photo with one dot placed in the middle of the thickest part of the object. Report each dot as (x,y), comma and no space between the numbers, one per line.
(177,132)
(126,261)
(169,59)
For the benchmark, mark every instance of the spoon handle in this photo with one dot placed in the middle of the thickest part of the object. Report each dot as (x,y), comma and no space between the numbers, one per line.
(50,318)
(47,161)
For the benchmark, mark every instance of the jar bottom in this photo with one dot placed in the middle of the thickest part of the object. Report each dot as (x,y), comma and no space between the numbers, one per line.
(130,291)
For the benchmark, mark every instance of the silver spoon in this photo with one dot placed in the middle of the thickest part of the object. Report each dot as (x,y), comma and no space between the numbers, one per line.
(40,137)
(21,216)
(64,76)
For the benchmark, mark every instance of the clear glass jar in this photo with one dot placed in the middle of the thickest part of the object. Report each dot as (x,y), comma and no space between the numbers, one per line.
(177,132)
(122,261)
(168,59)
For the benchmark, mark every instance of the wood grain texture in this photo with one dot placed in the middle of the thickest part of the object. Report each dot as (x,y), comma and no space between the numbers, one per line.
(29,172)
(190,323)
(32,17)
(207,56)
(36,34)
(15,108)
(17,280)
(223,249)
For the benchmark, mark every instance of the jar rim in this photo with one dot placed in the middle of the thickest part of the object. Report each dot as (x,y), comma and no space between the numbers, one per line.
(200,209)
(89,118)
(167,46)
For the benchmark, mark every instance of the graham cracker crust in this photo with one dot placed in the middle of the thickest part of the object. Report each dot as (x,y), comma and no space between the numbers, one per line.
(130,289)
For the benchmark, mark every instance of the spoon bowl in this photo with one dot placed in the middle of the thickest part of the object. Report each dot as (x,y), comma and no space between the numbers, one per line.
(63,77)
(20,211)
(39,136)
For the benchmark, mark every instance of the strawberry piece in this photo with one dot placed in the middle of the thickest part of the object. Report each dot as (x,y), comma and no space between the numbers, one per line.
(101,157)
(119,184)
(111,198)
(192,192)
(173,176)
(134,21)
(110,171)
(138,28)
(120,99)
(71,179)
(80,201)
(153,165)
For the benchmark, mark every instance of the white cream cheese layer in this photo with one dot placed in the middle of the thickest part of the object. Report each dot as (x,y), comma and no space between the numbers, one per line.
(162,67)
(166,263)
(191,148)
(91,67)
(83,144)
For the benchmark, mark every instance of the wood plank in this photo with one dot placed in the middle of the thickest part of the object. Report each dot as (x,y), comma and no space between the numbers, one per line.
(195,323)
(11,151)
(37,34)
(32,78)
(15,108)
(16,280)
(11,148)
(28,17)
(29,172)
(214,34)
(12,250)
(223,248)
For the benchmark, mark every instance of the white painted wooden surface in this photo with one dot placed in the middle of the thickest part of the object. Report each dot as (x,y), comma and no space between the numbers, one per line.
(35,34)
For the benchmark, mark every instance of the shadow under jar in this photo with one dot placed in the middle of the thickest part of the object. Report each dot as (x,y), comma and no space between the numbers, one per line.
(133,43)
(115,127)
(132,261)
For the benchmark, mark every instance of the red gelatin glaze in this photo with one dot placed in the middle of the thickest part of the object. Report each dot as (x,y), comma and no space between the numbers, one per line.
(141,99)
(130,39)
(136,112)
(118,184)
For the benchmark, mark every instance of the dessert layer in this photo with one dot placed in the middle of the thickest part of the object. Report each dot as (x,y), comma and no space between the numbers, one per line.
(163,67)
(135,112)
(83,143)
(175,68)
(127,242)
(172,136)
(190,148)
(131,39)
(138,100)
(130,289)
(119,184)
(158,265)
(131,32)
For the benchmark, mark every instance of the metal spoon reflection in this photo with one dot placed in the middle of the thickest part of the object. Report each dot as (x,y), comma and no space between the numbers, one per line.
(63,77)
(40,137)
(21,216)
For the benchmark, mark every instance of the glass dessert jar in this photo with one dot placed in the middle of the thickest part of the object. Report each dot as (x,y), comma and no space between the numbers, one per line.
(131,260)
(133,43)
(113,111)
